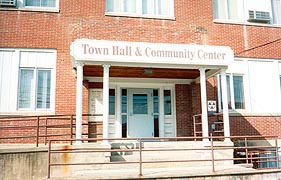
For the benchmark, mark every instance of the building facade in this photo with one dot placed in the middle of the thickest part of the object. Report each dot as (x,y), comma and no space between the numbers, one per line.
(147,66)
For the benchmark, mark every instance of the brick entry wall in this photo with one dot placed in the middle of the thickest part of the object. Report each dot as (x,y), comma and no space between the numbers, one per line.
(183,110)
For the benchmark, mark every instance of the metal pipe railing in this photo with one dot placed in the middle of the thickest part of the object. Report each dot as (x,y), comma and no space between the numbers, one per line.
(212,148)
(36,129)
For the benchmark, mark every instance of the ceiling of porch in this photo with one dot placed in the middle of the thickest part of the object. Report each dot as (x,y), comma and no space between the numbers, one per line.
(141,72)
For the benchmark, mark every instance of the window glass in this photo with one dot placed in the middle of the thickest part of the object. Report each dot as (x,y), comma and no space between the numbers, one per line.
(155,101)
(148,7)
(238,92)
(228,91)
(141,7)
(43,88)
(156,126)
(124,126)
(41,3)
(124,101)
(167,102)
(26,88)
(238,10)
(111,101)
(129,6)
(140,104)
(34,89)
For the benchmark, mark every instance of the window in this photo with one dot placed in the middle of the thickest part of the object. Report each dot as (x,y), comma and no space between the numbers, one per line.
(41,3)
(34,89)
(156,112)
(27,80)
(146,8)
(111,101)
(235,91)
(124,112)
(35,5)
(256,11)
(167,102)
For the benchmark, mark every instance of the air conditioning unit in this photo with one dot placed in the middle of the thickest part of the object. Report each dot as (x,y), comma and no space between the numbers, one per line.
(259,16)
(11,3)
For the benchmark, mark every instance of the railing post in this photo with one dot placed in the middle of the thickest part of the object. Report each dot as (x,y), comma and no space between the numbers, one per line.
(140,161)
(37,131)
(213,155)
(277,155)
(246,151)
(46,131)
(49,159)
(71,128)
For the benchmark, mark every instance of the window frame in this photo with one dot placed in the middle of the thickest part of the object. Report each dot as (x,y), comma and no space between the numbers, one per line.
(244,16)
(139,13)
(232,100)
(35,89)
(21,5)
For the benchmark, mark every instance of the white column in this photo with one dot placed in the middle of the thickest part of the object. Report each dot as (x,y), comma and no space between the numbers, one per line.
(205,126)
(79,93)
(105,101)
(225,105)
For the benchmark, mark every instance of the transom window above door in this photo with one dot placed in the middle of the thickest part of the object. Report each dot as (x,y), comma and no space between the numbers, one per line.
(163,9)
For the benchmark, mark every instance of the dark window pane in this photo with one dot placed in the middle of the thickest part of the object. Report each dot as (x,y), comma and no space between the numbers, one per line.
(124,101)
(112,101)
(167,102)
(124,126)
(155,101)
(156,126)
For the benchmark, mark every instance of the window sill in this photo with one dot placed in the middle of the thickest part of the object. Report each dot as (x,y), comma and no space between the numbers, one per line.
(30,9)
(245,23)
(171,18)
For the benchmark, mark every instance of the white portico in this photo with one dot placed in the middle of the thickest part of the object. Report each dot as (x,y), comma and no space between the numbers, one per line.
(201,61)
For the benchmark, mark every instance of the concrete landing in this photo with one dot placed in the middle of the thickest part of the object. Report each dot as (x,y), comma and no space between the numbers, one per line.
(202,173)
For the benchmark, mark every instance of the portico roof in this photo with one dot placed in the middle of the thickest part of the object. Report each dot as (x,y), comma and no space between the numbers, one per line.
(150,55)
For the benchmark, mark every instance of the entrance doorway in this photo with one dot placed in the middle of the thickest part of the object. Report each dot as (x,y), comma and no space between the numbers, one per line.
(140,113)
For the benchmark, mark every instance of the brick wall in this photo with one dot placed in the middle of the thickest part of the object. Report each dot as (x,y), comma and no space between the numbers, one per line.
(86,19)
(183,104)
(255,125)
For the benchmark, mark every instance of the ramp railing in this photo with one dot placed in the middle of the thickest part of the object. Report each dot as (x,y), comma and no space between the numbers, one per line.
(258,151)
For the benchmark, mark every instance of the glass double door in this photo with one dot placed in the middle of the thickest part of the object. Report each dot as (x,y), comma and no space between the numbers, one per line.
(140,113)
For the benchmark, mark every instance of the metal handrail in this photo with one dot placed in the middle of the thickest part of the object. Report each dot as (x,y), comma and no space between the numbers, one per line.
(211,148)
(40,125)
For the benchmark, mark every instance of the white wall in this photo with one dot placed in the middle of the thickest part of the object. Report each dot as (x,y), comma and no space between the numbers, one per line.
(264,86)
(9,65)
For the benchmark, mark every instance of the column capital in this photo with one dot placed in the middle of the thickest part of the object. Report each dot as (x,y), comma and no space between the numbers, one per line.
(202,69)
(78,63)
(106,65)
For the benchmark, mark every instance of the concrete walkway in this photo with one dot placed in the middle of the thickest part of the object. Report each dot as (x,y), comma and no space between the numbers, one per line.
(230,172)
